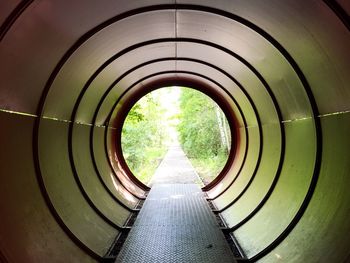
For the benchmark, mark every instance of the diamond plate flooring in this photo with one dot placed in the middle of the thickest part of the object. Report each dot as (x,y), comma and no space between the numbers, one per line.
(175,225)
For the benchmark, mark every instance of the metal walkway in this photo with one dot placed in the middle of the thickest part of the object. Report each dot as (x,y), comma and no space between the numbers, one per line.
(175,224)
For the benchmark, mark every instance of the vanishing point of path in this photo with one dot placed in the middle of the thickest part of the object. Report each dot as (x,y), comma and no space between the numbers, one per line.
(175,168)
(175,224)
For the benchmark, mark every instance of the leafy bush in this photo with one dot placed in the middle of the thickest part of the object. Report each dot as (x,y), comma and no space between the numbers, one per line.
(201,126)
(203,133)
(143,137)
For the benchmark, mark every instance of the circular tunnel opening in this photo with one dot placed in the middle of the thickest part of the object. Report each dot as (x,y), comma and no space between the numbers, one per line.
(284,64)
(176,134)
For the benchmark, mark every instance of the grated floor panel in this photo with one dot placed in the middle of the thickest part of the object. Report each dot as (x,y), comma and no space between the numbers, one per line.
(175,225)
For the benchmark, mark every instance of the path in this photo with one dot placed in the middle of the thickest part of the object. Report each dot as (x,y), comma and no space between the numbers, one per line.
(175,168)
(175,225)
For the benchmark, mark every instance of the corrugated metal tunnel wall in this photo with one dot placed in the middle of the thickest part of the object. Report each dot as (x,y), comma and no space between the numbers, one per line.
(282,67)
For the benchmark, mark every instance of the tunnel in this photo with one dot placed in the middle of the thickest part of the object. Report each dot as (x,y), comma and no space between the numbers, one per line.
(71,69)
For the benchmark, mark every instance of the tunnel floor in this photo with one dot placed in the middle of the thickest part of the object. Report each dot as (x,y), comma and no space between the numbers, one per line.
(175,224)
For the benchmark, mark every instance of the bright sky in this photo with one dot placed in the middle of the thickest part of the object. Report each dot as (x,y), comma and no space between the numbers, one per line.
(170,101)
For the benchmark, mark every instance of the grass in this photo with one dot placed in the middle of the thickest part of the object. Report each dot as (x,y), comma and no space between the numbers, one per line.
(209,168)
(146,170)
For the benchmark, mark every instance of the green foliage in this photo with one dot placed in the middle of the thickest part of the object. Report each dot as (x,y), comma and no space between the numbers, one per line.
(209,168)
(201,128)
(198,129)
(135,115)
(143,137)
(199,133)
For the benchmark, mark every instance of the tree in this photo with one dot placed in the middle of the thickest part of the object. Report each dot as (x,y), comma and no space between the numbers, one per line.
(143,137)
(203,133)
(199,132)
